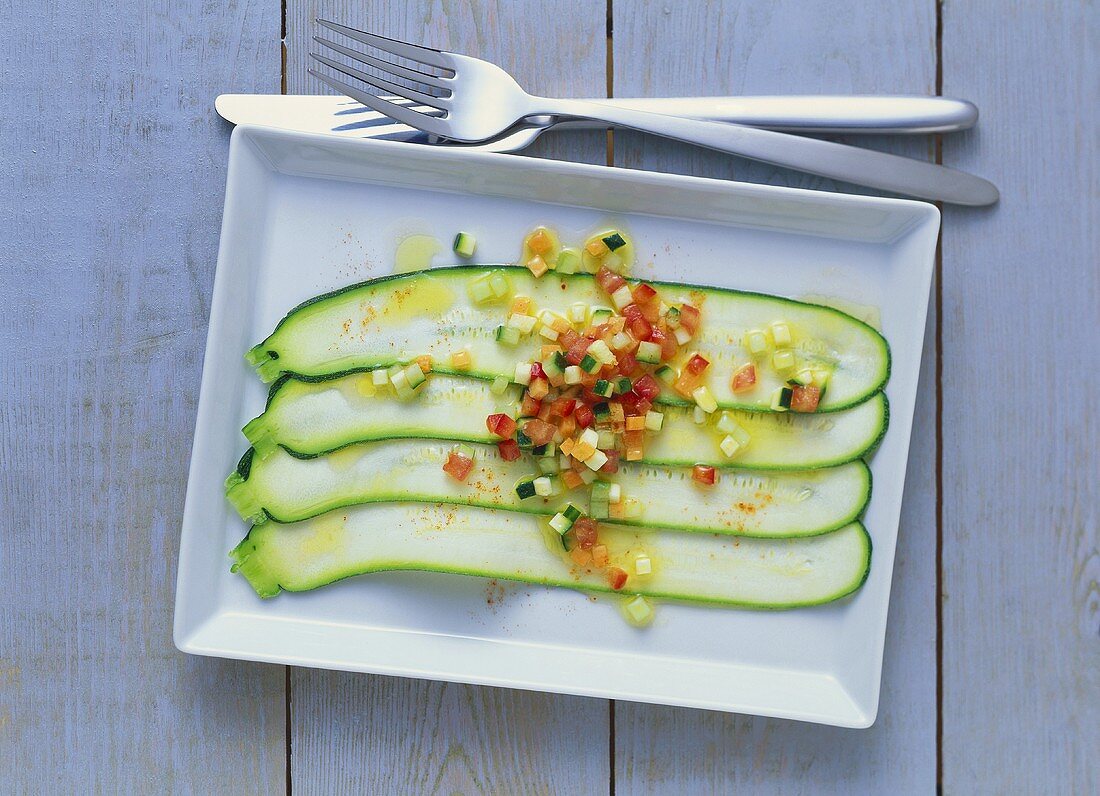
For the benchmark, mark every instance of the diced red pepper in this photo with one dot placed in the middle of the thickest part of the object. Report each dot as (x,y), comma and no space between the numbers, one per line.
(458,466)
(697,364)
(690,317)
(805,398)
(536,371)
(577,351)
(539,432)
(745,378)
(529,407)
(509,450)
(666,341)
(647,387)
(586,531)
(583,416)
(616,577)
(634,404)
(628,363)
(704,474)
(567,338)
(612,463)
(644,294)
(545,412)
(501,425)
(609,280)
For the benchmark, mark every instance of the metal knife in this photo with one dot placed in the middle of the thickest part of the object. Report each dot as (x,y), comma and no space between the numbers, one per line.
(891,115)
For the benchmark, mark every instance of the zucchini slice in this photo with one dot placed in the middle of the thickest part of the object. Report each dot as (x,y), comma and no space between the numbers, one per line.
(396,318)
(310,418)
(701,568)
(286,489)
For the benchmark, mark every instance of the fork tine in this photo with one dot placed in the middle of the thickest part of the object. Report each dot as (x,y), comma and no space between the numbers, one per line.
(413,52)
(385,66)
(383,84)
(400,113)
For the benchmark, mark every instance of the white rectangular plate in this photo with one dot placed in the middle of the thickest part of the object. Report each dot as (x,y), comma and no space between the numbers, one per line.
(305,214)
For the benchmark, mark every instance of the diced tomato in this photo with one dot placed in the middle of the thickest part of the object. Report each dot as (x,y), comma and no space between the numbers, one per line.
(567,338)
(651,311)
(529,407)
(634,439)
(616,577)
(612,463)
(562,407)
(639,327)
(687,383)
(599,555)
(577,351)
(697,364)
(609,280)
(572,479)
(580,556)
(745,378)
(538,388)
(544,412)
(501,425)
(666,341)
(583,416)
(634,404)
(587,531)
(690,317)
(628,363)
(509,450)
(805,398)
(591,397)
(536,371)
(458,466)
(644,294)
(567,426)
(647,387)
(704,475)
(539,431)
(598,331)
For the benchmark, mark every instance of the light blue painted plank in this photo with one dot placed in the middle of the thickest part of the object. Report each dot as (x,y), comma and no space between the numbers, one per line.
(760,47)
(1021,387)
(371,734)
(110,194)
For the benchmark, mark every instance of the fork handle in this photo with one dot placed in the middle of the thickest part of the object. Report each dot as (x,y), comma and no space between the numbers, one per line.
(825,113)
(823,158)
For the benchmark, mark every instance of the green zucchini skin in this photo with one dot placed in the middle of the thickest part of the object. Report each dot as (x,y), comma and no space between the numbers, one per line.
(284,489)
(704,569)
(367,342)
(316,417)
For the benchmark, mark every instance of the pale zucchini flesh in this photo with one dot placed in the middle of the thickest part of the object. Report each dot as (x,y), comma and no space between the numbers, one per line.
(311,418)
(397,318)
(699,568)
(287,489)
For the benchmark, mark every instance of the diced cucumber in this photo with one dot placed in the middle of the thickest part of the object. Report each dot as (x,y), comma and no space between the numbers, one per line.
(568,262)
(666,374)
(614,241)
(601,315)
(649,353)
(604,387)
(464,244)
(508,335)
(526,489)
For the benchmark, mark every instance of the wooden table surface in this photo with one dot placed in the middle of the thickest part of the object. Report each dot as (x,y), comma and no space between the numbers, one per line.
(113,166)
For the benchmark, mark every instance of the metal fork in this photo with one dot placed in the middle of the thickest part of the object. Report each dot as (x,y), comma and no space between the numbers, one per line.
(474,100)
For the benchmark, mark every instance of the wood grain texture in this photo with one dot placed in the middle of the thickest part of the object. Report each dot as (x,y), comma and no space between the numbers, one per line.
(1021,299)
(367,734)
(112,173)
(805,47)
